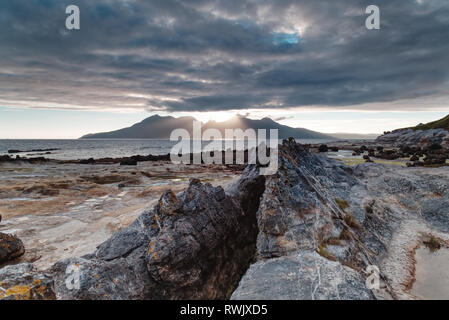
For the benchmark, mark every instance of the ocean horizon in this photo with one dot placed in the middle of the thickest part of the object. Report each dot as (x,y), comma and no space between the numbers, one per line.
(72,149)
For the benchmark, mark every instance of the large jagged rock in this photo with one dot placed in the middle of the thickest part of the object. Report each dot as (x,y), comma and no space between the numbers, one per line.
(298,209)
(194,245)
(11,247)
(297,216)
(24,282)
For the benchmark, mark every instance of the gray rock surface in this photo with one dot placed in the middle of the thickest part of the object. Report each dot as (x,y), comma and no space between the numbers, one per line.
(302,276)
(24,282)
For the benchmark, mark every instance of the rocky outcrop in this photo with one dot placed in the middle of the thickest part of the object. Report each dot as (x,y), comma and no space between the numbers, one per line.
(11,247)
(416,138)
(322,225)
(307,232)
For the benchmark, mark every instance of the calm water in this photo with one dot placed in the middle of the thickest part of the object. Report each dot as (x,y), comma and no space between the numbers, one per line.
(84,149)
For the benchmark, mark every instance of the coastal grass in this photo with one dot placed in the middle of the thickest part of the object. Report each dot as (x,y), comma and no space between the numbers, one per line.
(345,234)
(342,204)
(351,221)
(334,242)
(322,251)
(432,244)
(356,161)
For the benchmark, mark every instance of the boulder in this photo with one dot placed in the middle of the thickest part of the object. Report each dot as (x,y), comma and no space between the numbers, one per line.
(323,148)
(11,247)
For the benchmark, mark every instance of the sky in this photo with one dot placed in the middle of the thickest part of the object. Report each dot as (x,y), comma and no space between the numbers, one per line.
(304,63)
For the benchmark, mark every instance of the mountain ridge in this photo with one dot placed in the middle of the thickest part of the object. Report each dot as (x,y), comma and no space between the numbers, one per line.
(160,127)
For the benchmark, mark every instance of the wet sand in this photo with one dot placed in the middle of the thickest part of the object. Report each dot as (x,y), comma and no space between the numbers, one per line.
(66,210)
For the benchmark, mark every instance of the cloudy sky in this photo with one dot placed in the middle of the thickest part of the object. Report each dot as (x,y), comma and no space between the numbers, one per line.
(305,63)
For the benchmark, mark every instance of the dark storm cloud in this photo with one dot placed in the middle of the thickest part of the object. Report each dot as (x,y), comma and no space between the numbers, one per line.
(203,55)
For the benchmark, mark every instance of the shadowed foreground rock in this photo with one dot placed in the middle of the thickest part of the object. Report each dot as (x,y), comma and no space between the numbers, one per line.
(194,245)
(307,232)
(11,247)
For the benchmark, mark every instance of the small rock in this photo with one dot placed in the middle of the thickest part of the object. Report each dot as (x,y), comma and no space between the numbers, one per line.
(323,148)
(88,161)
(11,247)
(130,162)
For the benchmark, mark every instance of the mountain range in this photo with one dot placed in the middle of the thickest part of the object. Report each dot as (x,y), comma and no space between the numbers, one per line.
(160,127)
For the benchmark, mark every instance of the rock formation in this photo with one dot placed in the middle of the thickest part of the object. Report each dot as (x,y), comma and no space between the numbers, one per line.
(194,245)
(416,138)
(307,232)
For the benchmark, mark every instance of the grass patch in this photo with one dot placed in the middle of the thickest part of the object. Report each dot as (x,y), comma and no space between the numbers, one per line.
(342,204)
(351,265)
(345,234)
(334,242)
(322,251)
(432,244)
(351,221)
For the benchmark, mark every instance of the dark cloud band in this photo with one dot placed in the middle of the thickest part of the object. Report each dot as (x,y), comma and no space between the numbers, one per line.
(203,55)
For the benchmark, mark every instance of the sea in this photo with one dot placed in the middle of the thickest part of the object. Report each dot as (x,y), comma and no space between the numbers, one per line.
(90,148)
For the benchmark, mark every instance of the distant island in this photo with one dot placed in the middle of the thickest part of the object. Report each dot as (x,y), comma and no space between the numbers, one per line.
(159,127)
